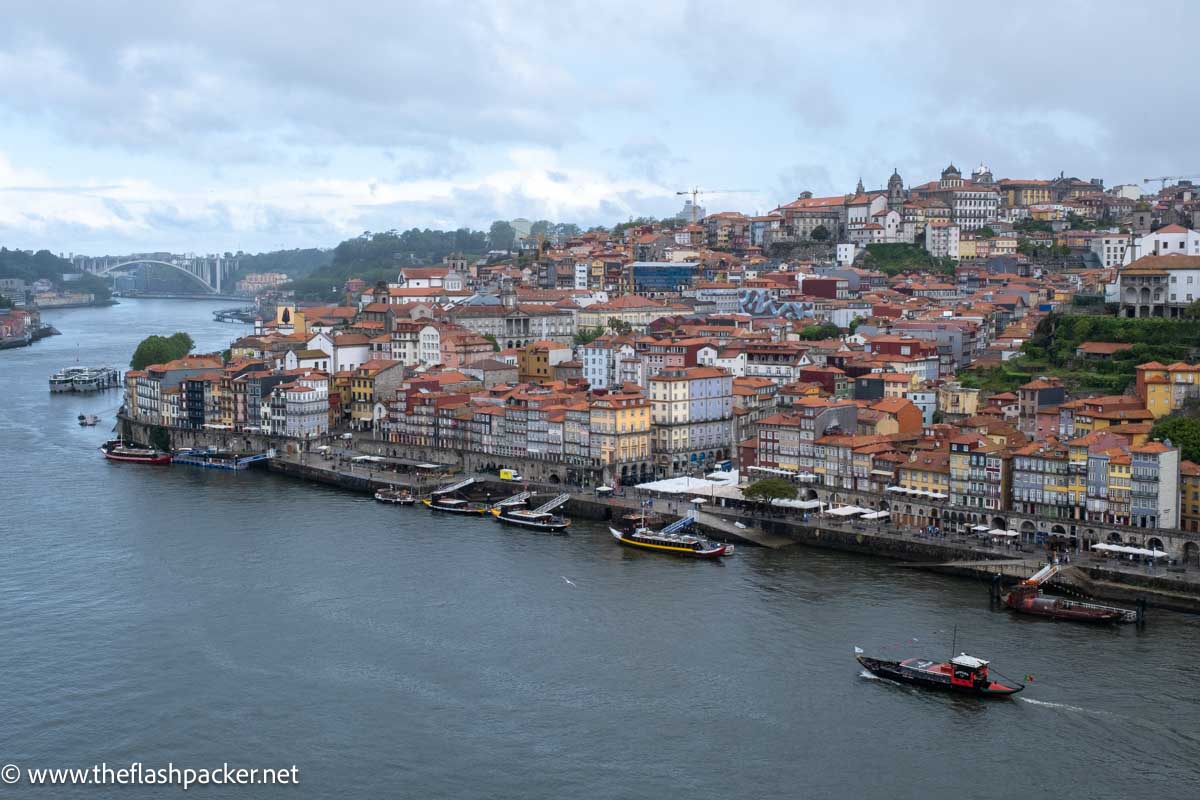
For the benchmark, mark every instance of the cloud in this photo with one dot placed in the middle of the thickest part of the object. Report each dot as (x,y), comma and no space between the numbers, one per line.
(224,124)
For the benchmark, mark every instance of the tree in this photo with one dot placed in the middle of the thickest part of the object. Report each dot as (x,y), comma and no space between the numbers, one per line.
(1184,433)
(587,335)
(986,232)
(819,234)
(492,339)
(161,349)
(826,330)
(619,326)
(769,489)
(854,323)
(501,236)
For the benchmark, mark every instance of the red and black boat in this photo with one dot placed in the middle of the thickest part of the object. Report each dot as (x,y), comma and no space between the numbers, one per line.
(118,450)
(963,673)
(1028,599)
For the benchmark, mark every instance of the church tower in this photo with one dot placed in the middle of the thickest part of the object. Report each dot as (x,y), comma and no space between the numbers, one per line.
(895,190)
(859,188)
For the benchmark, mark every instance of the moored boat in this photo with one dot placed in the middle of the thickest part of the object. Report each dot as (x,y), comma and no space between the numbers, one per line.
(963,673)
(87,420)
(1027,599)
(400,497)
(531,519)
(454,505)
(681,544)
(117,450)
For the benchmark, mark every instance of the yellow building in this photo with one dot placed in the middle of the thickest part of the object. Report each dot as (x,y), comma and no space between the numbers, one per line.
(927,471)
(1164,389)
(620,430)
(956,400)
(899,384)
(372,382)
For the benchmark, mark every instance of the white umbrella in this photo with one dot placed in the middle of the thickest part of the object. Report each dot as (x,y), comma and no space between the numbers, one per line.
(699,500)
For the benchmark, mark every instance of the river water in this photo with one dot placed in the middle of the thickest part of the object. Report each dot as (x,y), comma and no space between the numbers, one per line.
(169,614)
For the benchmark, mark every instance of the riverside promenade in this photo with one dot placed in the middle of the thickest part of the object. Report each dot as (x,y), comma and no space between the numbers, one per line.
(965,556)
(359,465)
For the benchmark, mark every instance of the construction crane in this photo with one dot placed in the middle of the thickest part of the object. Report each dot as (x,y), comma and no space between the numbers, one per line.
(1162,181)
(695,191)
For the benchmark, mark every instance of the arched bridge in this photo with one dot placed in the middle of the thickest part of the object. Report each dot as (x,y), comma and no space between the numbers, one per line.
(209,271)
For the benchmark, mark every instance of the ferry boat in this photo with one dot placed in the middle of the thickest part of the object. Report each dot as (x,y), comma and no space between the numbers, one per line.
(668,541)
(532,519)
(117,450)
(1026,599)
(454,505)
(84,379)
(399,497)
(963,673)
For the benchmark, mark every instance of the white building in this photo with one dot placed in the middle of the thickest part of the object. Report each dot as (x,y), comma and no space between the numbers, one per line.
(1110,248)
(941,239)
(1169,240)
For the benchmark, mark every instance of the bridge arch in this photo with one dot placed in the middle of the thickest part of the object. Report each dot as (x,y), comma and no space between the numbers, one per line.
(175,267)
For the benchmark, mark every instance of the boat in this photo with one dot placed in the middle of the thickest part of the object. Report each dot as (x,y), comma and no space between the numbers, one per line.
(117,450)
(84,379)
(963,673)
(400,497)
(454,505)
(532,519)
(87,420)
(1026,599)
(668,541)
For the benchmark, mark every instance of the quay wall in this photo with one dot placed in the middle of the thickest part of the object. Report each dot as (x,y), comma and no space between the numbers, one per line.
(1163,590)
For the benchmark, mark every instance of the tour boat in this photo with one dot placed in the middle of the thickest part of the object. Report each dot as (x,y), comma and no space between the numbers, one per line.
(117,450)
(534,520)
(680,544)
(453,505)
(87,420)
(1027,599)
(400,497)
(963,673)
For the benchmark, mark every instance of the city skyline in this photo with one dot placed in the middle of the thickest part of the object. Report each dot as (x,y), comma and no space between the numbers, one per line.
(227,128)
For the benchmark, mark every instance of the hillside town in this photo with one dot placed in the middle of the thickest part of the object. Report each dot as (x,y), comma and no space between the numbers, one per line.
(836,342)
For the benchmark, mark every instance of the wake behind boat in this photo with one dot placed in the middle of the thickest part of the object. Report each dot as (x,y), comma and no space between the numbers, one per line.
(117,450)
(963,673)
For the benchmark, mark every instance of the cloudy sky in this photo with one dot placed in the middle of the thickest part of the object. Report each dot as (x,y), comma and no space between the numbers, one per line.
(134,125)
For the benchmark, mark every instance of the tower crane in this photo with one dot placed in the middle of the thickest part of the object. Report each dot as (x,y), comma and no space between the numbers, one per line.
(695,191)
(1162,180)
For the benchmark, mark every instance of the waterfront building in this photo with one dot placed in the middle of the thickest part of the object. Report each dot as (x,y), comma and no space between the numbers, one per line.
(692,418)
(372,382)
(1043,483)
(1154,494)
(1189,496)
(619,421)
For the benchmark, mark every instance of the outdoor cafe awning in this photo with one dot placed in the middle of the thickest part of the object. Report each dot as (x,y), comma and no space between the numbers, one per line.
(846,511)
(877,515)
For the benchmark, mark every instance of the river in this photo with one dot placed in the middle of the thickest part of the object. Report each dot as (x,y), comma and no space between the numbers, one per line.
(170,614)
